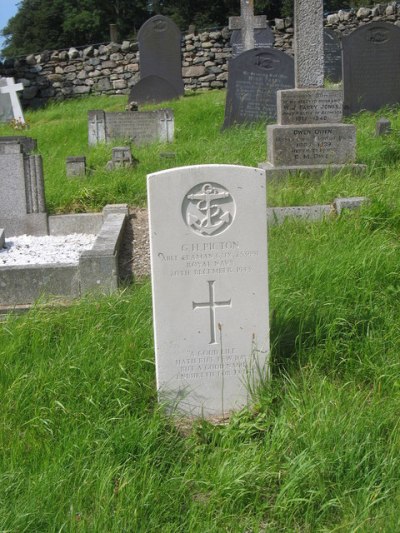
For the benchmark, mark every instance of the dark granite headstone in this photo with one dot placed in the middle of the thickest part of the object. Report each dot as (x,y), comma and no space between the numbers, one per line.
(371,67)
(152,90)
(263,38)
(160,51)
(254,78)
(332,56)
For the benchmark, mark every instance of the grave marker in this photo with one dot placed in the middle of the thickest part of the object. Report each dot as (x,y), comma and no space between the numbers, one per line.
(309,135)
(22,201)
(371,67)
(208,245)
(332,56)
(10,107)
(160,57)
(140,127)
(254,79)
(246,24)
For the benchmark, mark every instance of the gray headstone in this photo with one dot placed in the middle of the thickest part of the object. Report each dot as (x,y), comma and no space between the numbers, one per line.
(332,56)
(247,23)
(139,127)
(383,127)
(152,90)
(308,44)
(209,269)
(22,201)
(121,158)
(371,67)
(75,166)
(160,51)
(263,38)
(254,79)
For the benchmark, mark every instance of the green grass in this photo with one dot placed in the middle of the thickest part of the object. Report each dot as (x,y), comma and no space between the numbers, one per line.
(83,443)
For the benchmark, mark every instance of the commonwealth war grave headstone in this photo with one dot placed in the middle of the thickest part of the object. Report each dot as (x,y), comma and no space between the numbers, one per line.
(332,56)
(10,107)
(371,67)
(160,56)
(254,78)
(243,28)
(309,135)
(209,270)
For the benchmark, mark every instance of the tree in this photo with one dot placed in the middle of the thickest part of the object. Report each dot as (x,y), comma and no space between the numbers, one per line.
(52,24)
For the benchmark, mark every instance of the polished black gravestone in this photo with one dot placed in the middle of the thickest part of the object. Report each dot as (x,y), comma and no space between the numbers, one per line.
(254,79)
(263,38)
(152,90)
(332,56)
(371,67)
(160,56)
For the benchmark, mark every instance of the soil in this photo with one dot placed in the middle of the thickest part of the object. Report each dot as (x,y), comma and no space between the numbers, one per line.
(134,261)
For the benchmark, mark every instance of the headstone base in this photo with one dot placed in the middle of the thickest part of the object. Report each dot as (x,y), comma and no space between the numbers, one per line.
(273,172)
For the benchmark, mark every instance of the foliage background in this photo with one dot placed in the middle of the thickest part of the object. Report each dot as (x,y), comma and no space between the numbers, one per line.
(53,24)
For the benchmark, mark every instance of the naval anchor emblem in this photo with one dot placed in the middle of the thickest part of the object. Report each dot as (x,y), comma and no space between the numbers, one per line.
(208,209)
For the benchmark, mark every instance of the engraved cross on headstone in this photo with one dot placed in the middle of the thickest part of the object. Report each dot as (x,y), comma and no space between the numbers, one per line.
(247,23)
(8,86)
(308,44)
(212,305)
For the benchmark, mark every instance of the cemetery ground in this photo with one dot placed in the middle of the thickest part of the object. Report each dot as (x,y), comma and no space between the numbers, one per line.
(86,447)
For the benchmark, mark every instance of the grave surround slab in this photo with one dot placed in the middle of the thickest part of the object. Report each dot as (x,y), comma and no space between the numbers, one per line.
(209,271)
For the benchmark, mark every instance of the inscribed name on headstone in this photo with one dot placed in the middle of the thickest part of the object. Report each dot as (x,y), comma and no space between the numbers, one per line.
(209,269)
(140,127)
(371,67)
(254,79)
(160,53)
(22,201)
(332,56)
(10,107)
(263,38)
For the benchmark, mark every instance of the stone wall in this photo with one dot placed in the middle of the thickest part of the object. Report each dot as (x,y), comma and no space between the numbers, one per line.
(114,68)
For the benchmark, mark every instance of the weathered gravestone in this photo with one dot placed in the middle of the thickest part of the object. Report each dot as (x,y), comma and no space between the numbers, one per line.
(254,79)
(10,107)
(160,56)
(75,166)
(208,244)
(332,56)
(22,201)
(140,127)
(152,90)
(371,67)
(309,136)
(243,28)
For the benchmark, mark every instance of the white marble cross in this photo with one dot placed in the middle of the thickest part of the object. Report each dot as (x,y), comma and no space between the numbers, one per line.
(308,43)
(247,23)
(8,86)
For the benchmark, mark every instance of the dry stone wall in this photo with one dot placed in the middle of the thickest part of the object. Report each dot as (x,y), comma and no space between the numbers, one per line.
(115,68)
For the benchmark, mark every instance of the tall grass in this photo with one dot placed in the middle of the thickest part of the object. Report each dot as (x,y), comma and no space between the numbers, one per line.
(84,445)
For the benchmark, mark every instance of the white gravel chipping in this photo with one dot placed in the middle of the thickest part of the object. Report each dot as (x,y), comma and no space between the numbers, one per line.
(49,249)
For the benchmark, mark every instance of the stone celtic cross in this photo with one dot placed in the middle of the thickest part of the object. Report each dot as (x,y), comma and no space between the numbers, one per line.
(247,23)
(308,44)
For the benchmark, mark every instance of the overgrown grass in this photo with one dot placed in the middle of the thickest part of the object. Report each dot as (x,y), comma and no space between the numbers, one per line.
(84,445)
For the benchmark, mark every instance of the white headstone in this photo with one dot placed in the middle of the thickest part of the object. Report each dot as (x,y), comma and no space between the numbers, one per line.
(9,100)
(208,240)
